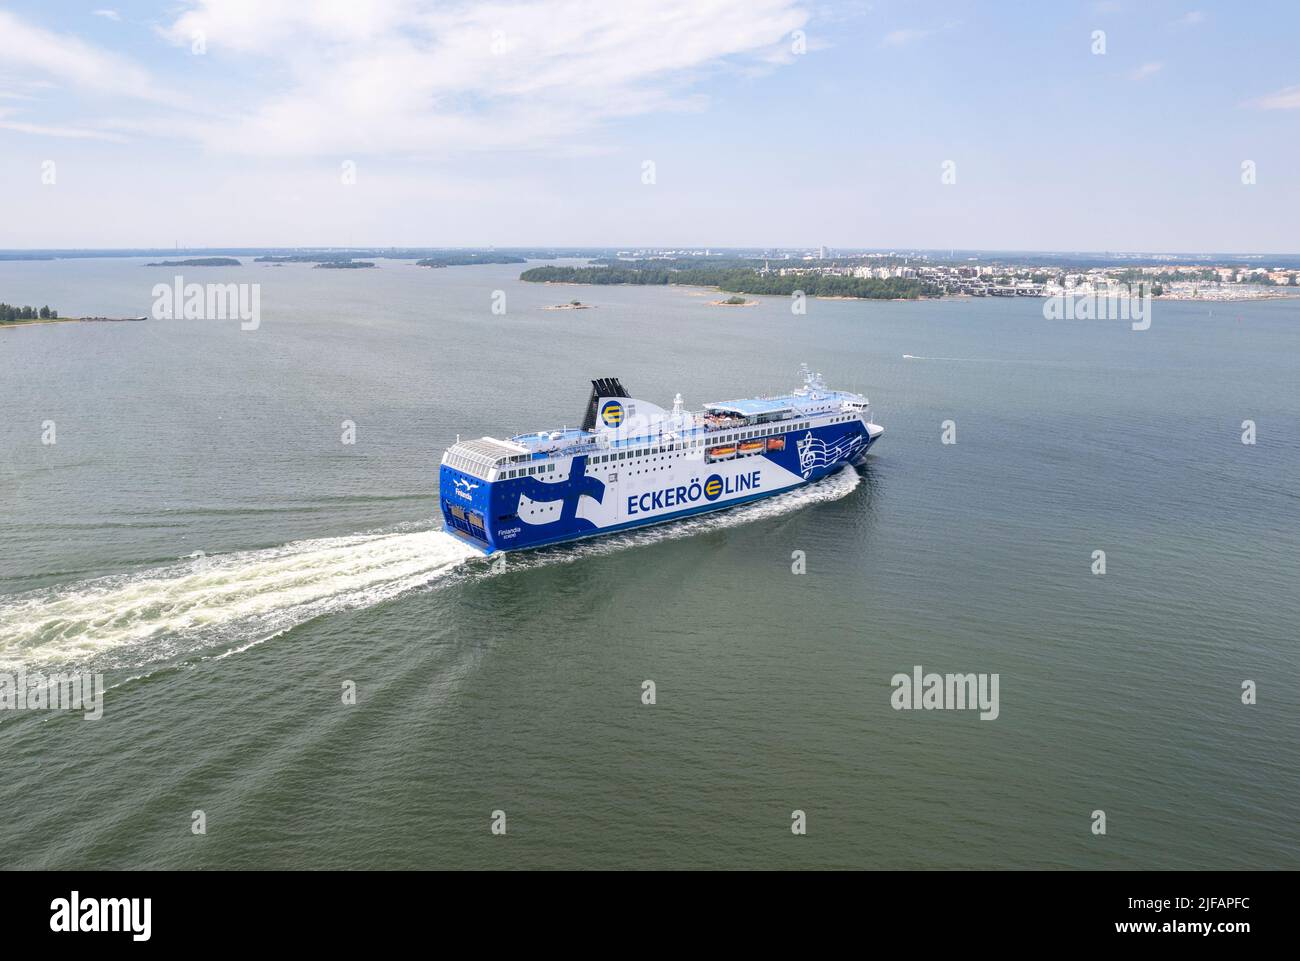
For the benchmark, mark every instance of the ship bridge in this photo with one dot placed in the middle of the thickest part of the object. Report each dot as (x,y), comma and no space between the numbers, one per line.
(812,398)
(766,408)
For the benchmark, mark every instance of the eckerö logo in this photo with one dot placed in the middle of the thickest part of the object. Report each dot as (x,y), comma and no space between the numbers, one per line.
(710,490)
(612,414)
(72,915)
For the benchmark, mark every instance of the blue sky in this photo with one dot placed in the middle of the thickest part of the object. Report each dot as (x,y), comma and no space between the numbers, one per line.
(769,122)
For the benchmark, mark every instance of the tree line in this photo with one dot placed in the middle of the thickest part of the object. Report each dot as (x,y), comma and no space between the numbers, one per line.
(10,313)
(740,280)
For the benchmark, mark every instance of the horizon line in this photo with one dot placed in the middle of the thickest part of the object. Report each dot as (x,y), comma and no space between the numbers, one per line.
(712,247)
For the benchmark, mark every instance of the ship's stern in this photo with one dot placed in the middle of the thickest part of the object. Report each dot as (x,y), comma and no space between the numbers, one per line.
(466,503)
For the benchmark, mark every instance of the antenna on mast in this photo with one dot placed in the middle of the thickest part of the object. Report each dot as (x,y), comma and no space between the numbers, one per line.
(812,380)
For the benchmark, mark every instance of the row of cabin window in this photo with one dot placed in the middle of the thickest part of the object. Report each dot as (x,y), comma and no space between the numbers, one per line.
(539,469)
(646,451)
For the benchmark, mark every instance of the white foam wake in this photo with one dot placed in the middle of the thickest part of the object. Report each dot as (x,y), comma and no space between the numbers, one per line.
(227,603)
(205,602)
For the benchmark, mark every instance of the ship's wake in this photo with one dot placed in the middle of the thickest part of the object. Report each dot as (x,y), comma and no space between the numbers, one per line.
(210,603)
(213,606)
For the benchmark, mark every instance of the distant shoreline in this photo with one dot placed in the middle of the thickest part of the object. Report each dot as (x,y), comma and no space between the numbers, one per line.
(199,262)
(71,320)
(692,287)
(1165,298)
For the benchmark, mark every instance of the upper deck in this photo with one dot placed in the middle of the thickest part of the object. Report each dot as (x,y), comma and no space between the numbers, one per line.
(798,404)
(638,424)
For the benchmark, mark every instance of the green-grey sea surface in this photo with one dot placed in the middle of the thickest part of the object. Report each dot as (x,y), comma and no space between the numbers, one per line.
(200,532)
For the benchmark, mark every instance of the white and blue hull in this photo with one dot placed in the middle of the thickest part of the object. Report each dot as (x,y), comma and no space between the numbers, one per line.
(644,482)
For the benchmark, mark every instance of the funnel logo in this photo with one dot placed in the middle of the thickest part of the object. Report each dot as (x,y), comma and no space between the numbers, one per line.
(713,488)
(612,413)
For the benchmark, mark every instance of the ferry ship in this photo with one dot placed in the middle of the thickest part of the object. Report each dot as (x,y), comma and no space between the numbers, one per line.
(632,463)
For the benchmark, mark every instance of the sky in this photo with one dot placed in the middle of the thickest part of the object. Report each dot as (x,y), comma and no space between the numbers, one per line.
(1122,125)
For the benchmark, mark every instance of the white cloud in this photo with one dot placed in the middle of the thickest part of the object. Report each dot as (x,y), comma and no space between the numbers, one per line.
(107,14)
(1190,19)
(1147,70)
(342,78)
(1288,98)
(44,130)
(68,61)
(418,77)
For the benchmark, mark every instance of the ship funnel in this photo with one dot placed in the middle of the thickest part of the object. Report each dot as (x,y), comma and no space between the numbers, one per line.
(601,387)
